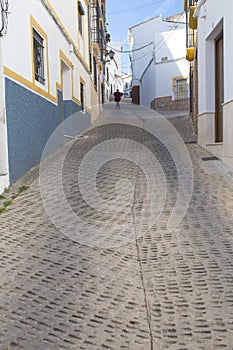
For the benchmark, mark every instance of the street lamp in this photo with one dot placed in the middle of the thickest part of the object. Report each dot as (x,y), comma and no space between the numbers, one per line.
(111,54)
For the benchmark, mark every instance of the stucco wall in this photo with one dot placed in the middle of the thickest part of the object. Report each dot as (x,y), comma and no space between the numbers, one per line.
(213,18)
(166,54)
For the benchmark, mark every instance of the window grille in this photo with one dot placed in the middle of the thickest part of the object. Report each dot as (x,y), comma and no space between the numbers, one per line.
(95,72)
(181,89)
(82,95)
(81,13)
(38,47)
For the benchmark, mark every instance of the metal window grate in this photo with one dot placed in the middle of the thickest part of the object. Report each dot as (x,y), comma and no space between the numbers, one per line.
(95,72)
(81,13)
(181,89)
(82,95)
(38,46)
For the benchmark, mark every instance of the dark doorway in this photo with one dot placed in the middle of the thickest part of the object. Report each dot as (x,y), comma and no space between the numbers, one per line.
(219,88)
(82,96)
(136,95)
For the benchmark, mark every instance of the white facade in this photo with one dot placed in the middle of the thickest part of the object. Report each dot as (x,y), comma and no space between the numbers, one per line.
(35,15)
(47,74)
(127,85)
(214,20)
(158,57)
(4,172)
(113,73)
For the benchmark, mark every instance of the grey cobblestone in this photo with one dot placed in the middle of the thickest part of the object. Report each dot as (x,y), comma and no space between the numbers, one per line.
(163,290)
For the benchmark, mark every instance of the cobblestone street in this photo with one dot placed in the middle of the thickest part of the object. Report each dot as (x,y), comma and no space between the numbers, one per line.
(145,288)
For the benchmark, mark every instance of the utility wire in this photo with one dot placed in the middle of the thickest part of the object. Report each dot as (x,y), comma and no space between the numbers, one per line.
(129,51)
(136,59)
(135,8)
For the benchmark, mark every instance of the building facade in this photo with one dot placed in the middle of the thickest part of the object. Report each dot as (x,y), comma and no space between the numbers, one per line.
(160,71)
(113,73)
(127,84)
(51,67)
(191,56)
(215,70)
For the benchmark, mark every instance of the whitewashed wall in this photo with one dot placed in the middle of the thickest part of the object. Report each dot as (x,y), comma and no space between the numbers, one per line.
(114,67)
(4,176)
(154,75)
(22,49)
(214,16)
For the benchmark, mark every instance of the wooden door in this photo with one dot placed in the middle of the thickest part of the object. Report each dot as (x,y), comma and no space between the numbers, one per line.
(136,95)
(219,88)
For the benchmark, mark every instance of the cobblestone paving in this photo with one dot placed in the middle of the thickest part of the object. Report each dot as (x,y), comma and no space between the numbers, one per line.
(160,290)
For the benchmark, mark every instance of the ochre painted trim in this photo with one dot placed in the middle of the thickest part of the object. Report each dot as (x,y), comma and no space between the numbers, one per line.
(66,31)
(82,80)
(85,92)
(66,60)
(8,72)
(34,24)
(175,78)
(30,84)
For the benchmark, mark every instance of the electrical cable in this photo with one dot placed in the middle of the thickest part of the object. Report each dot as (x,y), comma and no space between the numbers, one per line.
(137,59)
(135,8)
(129,51)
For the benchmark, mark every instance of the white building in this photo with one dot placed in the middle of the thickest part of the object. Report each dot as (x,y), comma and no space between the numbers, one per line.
(50,67)
(4,171)
(113,73)
(127,84)
(215,52)
(159,69)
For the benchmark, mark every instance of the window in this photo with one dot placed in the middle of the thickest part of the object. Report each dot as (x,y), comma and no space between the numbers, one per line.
(107,75)
(81,13)
(95,71)
(181,88)
(38,48)
(82,96)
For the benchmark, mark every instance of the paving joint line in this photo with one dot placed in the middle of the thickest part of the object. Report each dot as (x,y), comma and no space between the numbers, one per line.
(140,262)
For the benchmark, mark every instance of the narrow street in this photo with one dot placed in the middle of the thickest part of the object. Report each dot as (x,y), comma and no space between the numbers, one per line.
(100,260)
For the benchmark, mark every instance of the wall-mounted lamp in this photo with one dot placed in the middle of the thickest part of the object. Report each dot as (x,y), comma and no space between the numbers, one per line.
(111,54)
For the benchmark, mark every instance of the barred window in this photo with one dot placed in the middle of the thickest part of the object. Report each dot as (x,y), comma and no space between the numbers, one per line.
(82,96)
(181,88)
(81,13)
(95,72)
(38,48)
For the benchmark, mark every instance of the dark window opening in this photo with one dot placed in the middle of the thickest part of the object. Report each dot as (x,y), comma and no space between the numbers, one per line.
(82,96)
(80,17)
(95,72)
(38,48)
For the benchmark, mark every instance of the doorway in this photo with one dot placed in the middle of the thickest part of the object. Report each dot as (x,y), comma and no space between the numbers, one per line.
(66,80)
(66,89)
(219,87)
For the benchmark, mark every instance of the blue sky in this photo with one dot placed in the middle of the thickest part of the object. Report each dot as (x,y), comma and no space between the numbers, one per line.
(140,10)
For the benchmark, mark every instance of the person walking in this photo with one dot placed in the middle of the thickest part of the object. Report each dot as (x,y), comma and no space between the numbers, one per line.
(117,95)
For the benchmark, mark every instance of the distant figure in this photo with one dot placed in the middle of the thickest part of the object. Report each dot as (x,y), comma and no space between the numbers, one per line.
(117,96)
